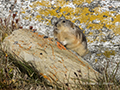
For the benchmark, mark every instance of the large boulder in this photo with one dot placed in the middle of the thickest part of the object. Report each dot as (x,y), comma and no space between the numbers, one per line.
(52,60)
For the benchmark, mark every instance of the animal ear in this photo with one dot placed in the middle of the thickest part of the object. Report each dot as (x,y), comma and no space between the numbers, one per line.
(72,25)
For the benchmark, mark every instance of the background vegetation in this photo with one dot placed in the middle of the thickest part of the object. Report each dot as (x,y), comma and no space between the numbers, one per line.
(14,76)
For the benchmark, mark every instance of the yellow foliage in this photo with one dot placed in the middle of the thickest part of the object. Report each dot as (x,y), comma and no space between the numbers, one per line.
(117,18)
(116,30)
(96,60)
(78,2)
(3,36)
(42,3)
(109,53)
(23,11)
(89,40)
(81,14)
(99,54)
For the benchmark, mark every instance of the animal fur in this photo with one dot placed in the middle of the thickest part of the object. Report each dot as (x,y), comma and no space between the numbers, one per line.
(71,36)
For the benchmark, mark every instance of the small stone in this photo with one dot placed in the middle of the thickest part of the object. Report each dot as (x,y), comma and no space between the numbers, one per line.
(112,19)
(117,23)
(91,10)
(96,21)
(111,7)
(97,31)
(28,11)
(94,4)
(57,11)
(105,16)
(16,42)
(34,30)
(67,14)
(77,21)
(45,37)
(62,17)
(85,5)
(87,14)
(54,20)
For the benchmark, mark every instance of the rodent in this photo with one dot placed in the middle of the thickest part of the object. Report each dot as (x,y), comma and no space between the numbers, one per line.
(71,36)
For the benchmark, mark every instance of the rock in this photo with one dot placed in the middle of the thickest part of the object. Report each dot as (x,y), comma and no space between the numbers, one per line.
(49,57)
(96,21)
(54,20)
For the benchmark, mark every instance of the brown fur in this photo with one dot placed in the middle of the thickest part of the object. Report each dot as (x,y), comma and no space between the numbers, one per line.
(70,36)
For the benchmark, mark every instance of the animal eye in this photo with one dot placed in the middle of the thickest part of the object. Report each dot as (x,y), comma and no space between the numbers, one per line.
(63,21)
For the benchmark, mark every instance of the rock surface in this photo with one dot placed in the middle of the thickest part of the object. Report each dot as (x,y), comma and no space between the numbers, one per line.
(49,57)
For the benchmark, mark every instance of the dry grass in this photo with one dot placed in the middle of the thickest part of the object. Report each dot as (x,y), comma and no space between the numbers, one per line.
(13,74)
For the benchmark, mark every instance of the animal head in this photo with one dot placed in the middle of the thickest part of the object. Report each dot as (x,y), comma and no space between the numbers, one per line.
(64,26)
(65,31)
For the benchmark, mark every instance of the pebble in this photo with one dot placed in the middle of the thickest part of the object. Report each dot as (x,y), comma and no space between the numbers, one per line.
(96,21)
(54,20)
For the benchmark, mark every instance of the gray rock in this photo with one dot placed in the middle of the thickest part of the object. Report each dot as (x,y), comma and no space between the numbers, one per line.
(96,21)
(54,62)
(62,17)
(54,20)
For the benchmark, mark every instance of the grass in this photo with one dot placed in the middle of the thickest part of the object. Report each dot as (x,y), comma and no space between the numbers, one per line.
(13,74)
(20,75)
